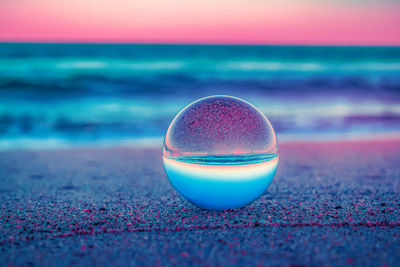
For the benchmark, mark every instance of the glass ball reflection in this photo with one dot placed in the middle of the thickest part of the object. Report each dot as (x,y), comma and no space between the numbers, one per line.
(220,152)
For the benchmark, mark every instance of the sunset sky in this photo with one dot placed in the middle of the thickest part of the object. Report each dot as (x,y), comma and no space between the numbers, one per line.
(334,22)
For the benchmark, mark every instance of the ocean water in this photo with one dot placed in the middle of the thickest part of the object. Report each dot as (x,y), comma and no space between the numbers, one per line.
(62,95)
(225,159)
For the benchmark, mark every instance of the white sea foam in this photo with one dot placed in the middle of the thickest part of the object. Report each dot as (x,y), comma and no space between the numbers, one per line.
(307,66)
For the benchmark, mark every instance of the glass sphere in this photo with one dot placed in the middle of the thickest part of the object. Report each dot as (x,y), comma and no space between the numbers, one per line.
(220,152)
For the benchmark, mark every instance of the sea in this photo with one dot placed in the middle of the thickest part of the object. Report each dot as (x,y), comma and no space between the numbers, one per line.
(72,95)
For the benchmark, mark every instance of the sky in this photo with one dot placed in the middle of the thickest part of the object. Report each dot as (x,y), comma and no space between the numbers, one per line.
(304,22)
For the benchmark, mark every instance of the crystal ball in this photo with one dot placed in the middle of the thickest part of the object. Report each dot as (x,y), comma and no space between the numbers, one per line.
(220,152)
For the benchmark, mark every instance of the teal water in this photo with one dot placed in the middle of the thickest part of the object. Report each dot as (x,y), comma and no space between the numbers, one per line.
(60,61)
(225,160)
(61,95)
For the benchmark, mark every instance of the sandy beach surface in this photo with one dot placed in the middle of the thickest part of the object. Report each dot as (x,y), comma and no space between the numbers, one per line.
(330,204)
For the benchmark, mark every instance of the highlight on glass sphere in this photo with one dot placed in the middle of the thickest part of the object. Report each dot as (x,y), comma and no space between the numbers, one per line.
(220,152)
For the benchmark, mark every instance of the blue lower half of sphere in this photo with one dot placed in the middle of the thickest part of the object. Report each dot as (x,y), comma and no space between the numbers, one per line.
(221,182)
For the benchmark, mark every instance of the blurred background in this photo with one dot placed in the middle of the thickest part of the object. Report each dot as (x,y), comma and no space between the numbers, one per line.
(105,73)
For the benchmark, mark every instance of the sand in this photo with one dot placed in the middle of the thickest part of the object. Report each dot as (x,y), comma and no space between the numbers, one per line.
(332,204)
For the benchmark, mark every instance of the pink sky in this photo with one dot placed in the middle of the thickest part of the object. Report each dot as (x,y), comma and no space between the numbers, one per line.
(334,22)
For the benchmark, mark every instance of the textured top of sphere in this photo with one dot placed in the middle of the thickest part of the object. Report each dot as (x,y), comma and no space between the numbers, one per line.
(219,125)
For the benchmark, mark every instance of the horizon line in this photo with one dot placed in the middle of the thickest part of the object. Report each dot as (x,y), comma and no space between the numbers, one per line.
(198,43)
